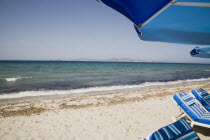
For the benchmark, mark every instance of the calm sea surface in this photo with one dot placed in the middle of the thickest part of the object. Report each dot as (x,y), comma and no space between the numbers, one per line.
(16,76)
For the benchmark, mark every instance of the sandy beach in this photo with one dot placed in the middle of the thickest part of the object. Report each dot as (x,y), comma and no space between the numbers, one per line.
(132,114)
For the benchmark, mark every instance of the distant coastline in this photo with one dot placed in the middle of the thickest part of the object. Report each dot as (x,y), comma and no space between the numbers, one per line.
(105,61)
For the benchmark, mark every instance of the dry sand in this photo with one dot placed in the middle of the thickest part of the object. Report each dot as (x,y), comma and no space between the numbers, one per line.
(121,115)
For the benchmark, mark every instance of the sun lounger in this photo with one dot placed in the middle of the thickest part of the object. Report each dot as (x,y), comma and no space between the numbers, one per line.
(203,97)
(196,115)
(179,130)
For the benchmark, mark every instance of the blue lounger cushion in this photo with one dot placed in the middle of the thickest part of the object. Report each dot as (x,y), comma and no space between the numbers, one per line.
(177,130)
(203,97)
(194,111)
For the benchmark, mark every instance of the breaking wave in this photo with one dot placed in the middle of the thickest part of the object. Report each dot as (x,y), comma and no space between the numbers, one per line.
(95,89)
(13,79)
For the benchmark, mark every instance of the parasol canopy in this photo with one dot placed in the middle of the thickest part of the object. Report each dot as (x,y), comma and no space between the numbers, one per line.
(173,21)
(203,52)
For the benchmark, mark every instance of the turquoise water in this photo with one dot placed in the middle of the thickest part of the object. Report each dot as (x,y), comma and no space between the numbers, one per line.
(16,76)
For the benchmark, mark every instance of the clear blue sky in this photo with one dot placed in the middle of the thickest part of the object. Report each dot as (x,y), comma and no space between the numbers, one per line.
(74,29)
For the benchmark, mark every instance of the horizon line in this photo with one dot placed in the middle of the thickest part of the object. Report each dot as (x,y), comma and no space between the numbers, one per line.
(108,61)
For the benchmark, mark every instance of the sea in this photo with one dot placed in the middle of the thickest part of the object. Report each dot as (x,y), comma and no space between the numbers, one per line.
(38,78)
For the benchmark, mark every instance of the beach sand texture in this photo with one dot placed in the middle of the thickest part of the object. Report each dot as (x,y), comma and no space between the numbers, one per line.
(122,115)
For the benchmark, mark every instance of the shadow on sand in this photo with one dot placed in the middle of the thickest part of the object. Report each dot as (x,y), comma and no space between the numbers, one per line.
(202,130)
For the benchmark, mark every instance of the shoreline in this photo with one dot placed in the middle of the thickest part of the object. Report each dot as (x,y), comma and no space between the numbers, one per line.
(51,94)
(131,114)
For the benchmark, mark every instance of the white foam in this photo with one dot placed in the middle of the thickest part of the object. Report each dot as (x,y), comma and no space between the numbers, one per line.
(13,79)
(95,89)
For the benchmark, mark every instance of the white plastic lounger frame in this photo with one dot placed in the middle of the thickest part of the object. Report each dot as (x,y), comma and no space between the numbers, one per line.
(191,121)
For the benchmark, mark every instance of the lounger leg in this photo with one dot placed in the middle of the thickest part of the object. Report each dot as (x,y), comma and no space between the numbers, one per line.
(181,116)
(173,119)
(192,124)
(178,117)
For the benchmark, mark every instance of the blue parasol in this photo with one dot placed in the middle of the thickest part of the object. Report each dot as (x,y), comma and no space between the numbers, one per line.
(203,52)
(174,21)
